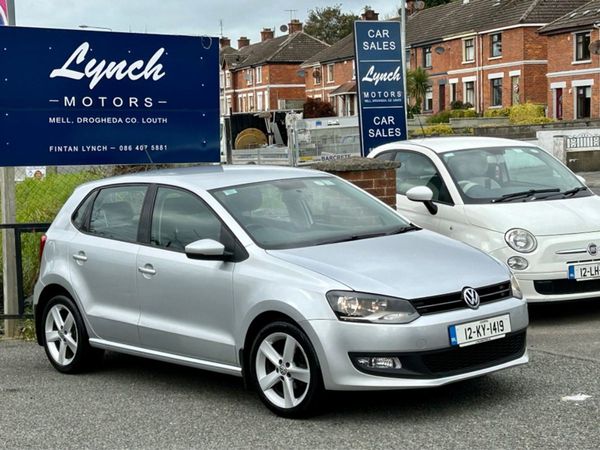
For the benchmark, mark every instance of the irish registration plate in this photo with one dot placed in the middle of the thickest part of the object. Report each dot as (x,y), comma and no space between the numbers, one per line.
(588,271)
(481,331)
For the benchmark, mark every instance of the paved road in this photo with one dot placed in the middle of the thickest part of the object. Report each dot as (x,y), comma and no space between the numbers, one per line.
(137,403)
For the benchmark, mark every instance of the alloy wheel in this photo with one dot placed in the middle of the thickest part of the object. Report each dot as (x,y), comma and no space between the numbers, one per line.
(61,334)
(282,370)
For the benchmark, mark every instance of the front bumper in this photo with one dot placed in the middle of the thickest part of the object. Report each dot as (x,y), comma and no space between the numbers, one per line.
(335,341)
(547,277)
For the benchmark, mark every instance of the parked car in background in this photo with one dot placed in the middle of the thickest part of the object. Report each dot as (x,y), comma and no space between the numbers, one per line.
(509,198)
(294,279)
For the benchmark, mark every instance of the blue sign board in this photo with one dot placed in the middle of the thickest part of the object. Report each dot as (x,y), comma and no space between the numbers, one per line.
(88,97)
(380,75)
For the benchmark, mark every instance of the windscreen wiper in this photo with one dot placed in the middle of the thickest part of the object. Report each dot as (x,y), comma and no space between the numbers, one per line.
(404,229)
(570,192)
(523,194)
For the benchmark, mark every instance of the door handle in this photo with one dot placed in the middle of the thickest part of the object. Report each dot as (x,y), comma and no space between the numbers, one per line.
(80,257)
(147,270)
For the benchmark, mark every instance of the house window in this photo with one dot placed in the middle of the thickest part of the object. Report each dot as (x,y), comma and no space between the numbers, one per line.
(582,44)
(407,58)
(248,76)
(453,92)
(221,80)
(584,102)
(228,105)
(496,45)
(330,73)
(514,89)
(259,101)
(258,75)
(250,102)
(469,50)
(470,92)
(228,79)
(428,106)
(427,57)
(496,87)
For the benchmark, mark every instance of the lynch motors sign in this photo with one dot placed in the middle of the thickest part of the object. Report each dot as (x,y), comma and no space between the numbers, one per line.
(80,97)
(380,76)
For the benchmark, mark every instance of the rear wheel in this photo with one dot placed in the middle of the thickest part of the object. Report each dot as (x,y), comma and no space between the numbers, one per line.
(65,338)
(285,370)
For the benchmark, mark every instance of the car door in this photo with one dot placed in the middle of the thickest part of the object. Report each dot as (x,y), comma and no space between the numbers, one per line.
(187,304)
(417,169)
(102,262)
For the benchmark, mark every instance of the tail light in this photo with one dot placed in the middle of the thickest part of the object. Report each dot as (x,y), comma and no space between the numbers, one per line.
(43,240)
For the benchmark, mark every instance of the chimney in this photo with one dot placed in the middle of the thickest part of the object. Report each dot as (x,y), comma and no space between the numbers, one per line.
(243,42)
(294,26)
(225,42)
(369,14)
(266,34)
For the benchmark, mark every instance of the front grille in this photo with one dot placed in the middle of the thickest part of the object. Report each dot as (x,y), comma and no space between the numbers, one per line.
(476,356)
(565,286)
(449,302)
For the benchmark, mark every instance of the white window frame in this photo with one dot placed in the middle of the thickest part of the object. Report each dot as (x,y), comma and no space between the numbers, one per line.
(492,80)
(249,75)
(464,48)
(258,71)
(465,82)
(227,79)
(574,38)
(259,101)
(583,84)
(492,56)
(330,73)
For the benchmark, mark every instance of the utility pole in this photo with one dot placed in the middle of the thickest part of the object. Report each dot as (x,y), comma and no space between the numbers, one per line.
(9,261)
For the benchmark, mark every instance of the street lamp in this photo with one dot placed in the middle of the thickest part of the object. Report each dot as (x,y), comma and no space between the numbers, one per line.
(85,27)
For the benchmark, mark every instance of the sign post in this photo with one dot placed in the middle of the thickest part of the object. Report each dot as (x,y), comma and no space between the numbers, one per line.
(380,75)
(8,199)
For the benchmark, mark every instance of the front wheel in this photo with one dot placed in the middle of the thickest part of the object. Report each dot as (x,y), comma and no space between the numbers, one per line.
(65,338)
(285,370)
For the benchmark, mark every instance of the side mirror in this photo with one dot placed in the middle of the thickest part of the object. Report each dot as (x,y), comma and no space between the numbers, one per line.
(424,195)
(206,249)
(580,178)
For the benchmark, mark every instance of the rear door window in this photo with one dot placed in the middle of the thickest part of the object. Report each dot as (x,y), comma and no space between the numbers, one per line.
(116,212)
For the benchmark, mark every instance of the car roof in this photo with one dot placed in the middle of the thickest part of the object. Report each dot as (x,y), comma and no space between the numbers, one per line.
(452,144)
(210,176)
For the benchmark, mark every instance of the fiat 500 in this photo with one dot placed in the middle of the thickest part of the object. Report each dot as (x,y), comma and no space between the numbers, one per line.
(509,198)
(293,279)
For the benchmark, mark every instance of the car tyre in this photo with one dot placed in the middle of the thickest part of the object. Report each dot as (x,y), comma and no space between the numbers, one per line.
(285,371)
(65,338)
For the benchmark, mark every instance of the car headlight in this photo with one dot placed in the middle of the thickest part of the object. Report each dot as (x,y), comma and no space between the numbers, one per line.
(516,289)
(520,240)
(360,307)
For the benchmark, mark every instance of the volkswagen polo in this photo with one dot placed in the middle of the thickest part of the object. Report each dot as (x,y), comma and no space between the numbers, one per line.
(293,279)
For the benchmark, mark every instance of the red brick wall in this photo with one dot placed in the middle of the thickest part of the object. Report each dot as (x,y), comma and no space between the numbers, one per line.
(561,59)
(519,44)
(342,73)
(379,182)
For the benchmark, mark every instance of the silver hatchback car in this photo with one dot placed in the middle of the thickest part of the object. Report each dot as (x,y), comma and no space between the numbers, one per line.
(293,279)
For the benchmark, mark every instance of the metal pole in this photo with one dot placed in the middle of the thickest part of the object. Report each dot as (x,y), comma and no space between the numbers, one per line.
(9,261)
(403,48)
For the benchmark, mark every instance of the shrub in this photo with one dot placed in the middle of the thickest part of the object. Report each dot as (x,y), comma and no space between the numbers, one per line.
(433,130)
(315,108)
(441,117)
(457,104)
(497,112)
(528,114)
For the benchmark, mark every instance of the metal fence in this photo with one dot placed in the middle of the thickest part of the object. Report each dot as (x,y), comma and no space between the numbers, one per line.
(40,193)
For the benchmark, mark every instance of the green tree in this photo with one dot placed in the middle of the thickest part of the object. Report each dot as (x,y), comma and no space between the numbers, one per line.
(329,24)
(417,83)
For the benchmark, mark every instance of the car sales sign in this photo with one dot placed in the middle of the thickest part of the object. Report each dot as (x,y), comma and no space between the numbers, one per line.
(89,97)
(380,75)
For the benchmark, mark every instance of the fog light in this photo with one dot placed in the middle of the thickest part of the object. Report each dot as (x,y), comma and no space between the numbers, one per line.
(517,263)
(379,362)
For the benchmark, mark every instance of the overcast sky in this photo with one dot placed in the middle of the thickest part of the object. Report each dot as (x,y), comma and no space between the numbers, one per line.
(196,17)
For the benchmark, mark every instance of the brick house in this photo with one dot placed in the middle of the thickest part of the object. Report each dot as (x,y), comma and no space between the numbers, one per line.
(330,76)
(484,52)
(573,70)
(266,75)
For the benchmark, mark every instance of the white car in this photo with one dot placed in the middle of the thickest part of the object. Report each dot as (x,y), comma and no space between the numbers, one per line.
(509,198)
